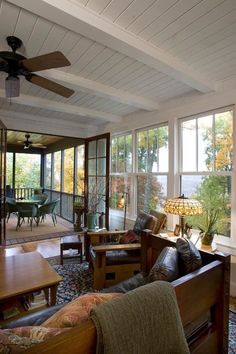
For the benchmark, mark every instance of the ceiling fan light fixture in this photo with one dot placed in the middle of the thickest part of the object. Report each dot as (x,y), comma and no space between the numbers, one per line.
(12,86)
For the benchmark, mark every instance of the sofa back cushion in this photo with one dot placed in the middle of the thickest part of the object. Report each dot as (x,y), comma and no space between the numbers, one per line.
(190,258)
(166,266)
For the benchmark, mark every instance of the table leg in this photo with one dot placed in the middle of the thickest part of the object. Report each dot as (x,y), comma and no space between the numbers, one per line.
(53,295)
(46,293)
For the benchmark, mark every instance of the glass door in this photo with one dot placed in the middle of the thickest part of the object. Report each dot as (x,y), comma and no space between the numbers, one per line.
(97,157)
(3,144)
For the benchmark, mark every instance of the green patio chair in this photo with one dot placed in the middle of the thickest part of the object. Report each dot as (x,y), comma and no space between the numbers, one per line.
(26,210)
(48,208)
(11,207)
(43,197)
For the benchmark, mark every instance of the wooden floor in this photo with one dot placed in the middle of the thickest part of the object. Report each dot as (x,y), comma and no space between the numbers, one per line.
(47,248)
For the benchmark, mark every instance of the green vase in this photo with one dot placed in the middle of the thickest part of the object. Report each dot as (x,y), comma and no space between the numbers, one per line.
(91,221)
(207,239)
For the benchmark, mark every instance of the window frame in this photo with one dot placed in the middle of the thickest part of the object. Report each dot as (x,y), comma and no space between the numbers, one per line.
(222,239)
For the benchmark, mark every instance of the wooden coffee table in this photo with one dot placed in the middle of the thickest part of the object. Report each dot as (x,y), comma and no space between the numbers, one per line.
(25,273)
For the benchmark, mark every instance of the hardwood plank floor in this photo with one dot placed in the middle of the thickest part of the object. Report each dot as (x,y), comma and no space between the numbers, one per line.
(47,248)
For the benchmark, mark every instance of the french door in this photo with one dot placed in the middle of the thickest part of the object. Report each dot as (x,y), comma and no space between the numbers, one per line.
(3,144)
(97,158)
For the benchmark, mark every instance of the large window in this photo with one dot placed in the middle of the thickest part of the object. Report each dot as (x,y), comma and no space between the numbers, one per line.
(48,170)
(145,177)
(9,170)
(57,171)
(68,170)
(152,168)
(79,177)
(27,170)
(207,164)
(121,168)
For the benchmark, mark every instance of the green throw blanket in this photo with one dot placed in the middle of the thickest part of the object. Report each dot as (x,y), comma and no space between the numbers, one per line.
(143,321)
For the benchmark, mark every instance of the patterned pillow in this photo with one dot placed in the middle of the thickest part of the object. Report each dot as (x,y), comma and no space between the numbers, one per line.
(78,310)
(190,258)
(129,237)
(18,340)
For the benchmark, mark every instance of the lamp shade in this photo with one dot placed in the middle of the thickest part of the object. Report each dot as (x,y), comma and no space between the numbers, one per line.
(183,206)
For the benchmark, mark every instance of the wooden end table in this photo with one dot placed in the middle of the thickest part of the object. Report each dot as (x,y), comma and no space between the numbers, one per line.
(71,242)
(25,273)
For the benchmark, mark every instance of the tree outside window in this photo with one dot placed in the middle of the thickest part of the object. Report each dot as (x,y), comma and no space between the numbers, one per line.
(68,170)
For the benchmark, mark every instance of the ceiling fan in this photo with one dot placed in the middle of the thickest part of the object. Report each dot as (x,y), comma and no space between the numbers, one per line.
(15,64)
(27,143)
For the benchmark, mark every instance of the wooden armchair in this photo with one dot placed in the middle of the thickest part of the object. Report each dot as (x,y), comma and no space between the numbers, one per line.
(112,263)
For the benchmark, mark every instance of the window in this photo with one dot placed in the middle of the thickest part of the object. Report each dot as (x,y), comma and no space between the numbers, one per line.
(68,170)
(207,165)
(152,168)
(121,168)
(27,170)
(57,171)
(79,185)
(145,181)
(48,170)
(9,169)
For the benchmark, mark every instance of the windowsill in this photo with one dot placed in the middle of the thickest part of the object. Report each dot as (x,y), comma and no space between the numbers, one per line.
(226,244)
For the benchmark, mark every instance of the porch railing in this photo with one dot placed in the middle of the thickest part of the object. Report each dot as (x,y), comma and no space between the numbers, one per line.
(64,207)
(21,193)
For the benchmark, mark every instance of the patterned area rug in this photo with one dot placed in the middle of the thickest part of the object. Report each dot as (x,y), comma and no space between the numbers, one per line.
(77,280)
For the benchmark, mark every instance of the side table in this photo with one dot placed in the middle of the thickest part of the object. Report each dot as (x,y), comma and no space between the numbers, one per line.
(70,243)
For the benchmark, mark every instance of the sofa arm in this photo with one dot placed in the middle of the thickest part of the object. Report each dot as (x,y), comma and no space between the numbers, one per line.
(34,318)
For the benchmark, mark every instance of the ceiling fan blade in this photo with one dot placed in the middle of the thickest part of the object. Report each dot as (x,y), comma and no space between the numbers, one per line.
(39,146)
(3,64)
(46,61)
(50,85)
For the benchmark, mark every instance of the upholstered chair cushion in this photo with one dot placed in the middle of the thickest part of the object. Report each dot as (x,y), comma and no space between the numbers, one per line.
(190,258)
(141,222)
(166,266)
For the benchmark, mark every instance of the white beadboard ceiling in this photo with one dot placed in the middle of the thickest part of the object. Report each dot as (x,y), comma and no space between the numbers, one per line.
(126,55)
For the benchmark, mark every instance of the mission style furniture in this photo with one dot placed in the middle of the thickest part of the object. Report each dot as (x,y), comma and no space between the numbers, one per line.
(26,273)
(202,296)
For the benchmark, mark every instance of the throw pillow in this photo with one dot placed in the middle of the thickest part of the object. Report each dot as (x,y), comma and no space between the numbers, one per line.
(166,266)
(190,258)
(141,222)
(78,310)
(130,237)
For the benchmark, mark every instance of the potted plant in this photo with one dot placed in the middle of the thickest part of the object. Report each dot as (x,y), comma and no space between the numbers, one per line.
(208,226)
(96,196)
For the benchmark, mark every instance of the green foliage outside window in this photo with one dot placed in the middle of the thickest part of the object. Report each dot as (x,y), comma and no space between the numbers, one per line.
(214,191)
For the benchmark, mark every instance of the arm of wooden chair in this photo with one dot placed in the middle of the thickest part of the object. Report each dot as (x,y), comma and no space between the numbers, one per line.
(99,237)
(121,247)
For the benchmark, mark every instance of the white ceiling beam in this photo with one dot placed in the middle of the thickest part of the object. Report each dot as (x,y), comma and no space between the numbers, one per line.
(79,83)
(43,103)
(36,118)
(77,18)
